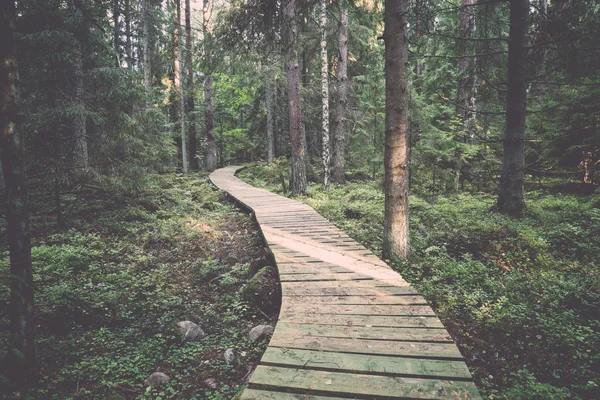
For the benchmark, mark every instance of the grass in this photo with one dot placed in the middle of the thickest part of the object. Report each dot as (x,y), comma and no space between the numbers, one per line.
(521,298)
(111,288)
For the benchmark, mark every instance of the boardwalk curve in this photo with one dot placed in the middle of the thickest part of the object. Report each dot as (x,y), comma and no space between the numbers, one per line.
(350,327)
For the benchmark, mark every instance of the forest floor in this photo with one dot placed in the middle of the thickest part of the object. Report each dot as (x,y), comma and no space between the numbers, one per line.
(111,288)
(521,298)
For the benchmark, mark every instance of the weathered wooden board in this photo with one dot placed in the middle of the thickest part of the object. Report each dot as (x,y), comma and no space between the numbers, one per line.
(349,326)
(356,309)
(367,346)
(362,320)
(357,300)
(373,385)
(291,331)
(381,365)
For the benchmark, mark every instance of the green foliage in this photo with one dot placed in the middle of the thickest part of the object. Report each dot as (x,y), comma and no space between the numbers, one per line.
(110,291)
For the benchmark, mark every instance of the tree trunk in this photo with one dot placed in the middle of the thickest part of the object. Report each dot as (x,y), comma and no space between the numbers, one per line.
(297,140)
(306,131)
(541,77)
(117,32)
(510,197)
(465,93)
(147,54)
(179,84)
(80,154)
(325,95)
(193,159)
(21,352)
(395,229)
(128,52)
(341,134)
(270,141)
(211,143)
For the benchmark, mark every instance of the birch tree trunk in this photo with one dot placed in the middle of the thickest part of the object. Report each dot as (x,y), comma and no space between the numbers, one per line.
(21,352)
(211,142)
(510,197)
(270,138)
(395,229)
(80,153)
(297,139)
(325,94)
(341,132)
(147,54)
(190,107)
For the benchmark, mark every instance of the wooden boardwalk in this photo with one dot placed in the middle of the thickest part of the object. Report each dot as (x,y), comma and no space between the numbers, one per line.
(350,327)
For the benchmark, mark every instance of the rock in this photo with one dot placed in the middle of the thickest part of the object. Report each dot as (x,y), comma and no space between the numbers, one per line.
(229,356)
(157,379)
(211,383)
(184,326)
(259,332)
(194,334)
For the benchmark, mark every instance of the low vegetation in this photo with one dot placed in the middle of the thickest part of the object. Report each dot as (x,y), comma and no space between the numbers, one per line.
(520,297)
(111,288)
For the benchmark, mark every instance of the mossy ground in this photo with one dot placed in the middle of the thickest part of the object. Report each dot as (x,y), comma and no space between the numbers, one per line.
(111,287)
(520,297)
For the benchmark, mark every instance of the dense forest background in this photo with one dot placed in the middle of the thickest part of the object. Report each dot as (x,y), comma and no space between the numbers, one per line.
(112,93)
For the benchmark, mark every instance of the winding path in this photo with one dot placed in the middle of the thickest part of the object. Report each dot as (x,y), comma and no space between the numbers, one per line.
(350,327)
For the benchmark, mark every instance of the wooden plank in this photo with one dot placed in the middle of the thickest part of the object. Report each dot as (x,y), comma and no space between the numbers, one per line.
(366,284)
(356,309)
(292,331)
(324,382)
(254,394)
(380,365)
(312,268)
(347,291)
(362,320)
(374,300)
(323,277)
(366,346)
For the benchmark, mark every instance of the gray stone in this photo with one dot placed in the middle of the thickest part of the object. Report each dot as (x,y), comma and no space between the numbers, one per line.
(211,383)
(259,332)
(194,334)
(157,379)
(185,326)
(229,356)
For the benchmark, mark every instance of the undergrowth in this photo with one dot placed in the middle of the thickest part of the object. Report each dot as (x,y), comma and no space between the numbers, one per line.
(520,297)
(111,288)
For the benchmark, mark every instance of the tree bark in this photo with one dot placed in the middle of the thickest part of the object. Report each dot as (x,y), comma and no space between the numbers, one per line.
(510,197)
(128,52)
(190,107)
(465,93)
(21,354)
(325,94)
(211,143)
(395,229)
(541,77)
(80,154)
(297,139)
(179,84)
(117,32)
(270,138)
(341,131)
(147,55)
